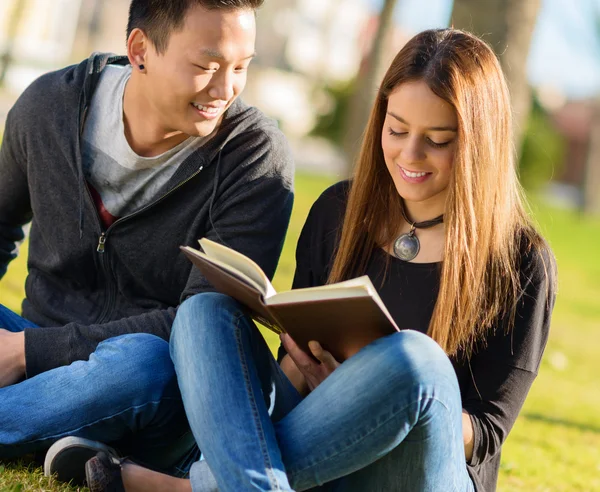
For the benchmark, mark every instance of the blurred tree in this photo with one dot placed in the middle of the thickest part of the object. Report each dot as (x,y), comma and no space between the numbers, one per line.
(591,183)
(14,20)
(332,125)
(507,25)
(543,150)
(366,86)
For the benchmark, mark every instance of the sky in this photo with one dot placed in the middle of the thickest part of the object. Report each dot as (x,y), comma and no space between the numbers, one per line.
(565,49)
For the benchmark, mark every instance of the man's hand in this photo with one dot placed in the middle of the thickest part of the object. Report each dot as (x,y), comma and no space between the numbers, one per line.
(314,372)
(12,357)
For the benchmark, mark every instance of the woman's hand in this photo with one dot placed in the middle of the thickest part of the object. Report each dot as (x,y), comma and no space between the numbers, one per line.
(289,368)
(314,372)
(468,432)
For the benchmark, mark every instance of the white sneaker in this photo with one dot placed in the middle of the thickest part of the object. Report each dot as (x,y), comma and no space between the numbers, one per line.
(67,457)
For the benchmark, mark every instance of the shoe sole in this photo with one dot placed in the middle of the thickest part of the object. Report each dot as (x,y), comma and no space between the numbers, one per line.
(67,457)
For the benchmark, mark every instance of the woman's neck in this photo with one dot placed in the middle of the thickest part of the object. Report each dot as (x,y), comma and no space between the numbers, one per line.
(425,210)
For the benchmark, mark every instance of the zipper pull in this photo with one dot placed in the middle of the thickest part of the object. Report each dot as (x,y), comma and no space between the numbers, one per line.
(101,242)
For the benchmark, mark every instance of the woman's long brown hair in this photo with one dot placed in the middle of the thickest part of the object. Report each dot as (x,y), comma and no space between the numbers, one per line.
(485,219)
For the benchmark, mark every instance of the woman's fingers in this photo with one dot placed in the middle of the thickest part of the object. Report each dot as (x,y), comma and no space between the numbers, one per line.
(323,355)
(314,371)
(303,361)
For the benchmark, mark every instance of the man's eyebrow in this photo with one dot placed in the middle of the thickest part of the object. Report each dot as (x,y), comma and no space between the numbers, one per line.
(433,128)
(217,54)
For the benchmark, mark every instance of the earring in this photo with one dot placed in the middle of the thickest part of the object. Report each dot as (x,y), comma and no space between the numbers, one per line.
(142,67)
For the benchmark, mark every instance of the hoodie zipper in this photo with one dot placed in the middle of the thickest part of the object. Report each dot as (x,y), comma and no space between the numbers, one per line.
(101,241)
(103,238)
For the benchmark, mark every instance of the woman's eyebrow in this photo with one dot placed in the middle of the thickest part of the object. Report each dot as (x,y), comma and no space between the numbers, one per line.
(433,128)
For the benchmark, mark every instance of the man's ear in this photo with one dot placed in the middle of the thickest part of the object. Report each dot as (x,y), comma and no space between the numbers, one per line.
(137,48)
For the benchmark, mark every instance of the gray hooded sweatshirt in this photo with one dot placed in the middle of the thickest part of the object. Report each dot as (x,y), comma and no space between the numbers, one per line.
(87,283)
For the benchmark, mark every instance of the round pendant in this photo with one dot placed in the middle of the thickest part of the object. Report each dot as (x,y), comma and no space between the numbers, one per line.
(406,247)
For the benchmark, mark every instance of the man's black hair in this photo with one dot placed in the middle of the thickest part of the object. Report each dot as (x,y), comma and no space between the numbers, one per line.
(159,18)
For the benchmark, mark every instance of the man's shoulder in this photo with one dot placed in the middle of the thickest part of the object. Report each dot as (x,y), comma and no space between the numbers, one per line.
(67,81)
(253,139)
(51,95)
(60,91)
(245,119)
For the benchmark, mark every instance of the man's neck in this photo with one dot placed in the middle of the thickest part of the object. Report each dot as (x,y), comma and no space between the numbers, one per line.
(146,137)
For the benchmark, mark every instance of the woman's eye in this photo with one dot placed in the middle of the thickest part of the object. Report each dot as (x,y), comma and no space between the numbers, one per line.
(396,134)
(438,145)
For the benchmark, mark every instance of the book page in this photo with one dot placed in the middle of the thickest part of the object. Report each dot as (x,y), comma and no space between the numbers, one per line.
(239,262)
(307,295)
(227,268)
(356,287)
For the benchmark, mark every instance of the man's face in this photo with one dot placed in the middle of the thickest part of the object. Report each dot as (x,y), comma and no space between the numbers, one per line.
(203,70)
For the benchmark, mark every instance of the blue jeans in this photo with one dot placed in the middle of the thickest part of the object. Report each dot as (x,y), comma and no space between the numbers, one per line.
(126,394)
(387,419)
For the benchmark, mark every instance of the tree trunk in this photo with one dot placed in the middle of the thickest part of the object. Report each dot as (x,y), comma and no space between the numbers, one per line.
(507,25)
(366,89)
(590,187)
(591,182)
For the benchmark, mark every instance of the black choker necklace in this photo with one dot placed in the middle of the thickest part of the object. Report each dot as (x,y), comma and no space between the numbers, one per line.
(407,246)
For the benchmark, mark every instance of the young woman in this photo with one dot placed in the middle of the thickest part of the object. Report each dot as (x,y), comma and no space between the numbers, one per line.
(434,215)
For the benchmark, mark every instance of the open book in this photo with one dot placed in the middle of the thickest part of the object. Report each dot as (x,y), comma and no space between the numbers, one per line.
(343,317)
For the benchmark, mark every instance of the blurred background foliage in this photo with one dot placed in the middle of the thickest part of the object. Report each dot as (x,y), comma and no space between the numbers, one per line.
(543,149)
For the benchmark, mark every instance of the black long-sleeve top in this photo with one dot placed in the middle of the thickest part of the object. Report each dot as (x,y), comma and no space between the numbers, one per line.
(496,379)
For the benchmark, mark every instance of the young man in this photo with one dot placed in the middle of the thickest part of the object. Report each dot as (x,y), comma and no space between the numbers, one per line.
(117,162)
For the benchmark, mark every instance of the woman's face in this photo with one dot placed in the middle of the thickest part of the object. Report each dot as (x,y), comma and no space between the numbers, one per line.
(418,140)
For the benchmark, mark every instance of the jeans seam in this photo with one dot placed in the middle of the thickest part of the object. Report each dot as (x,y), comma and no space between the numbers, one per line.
(368,434)
(70,432)
(254,409)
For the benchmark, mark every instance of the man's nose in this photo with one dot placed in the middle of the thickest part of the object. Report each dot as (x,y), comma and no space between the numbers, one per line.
(222,86)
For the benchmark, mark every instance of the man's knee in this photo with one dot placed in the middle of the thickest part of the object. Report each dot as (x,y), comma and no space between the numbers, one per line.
(139,362)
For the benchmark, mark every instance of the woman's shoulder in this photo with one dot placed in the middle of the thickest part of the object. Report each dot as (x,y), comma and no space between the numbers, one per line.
(537,264)
(322,226)
(335,197)
(328,210)
(319,236)
(519,340)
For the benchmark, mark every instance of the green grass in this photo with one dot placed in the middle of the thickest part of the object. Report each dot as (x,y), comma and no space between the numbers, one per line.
(555,444)
(21,476)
